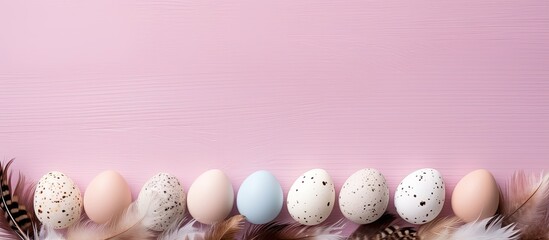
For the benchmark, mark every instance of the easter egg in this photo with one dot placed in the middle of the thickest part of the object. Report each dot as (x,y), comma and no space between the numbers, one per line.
(57,200)
(476,196)
(260,197)
(364,196)
(106,195)
(170,200)
(420,196)
(311,197)
(211,197)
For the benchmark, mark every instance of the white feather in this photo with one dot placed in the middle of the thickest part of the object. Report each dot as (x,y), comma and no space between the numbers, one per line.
(180,231)
(145,209)
(487,229)
(129,223)
(48,233)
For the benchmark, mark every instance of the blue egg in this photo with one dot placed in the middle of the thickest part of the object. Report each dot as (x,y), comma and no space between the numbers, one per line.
(260,197)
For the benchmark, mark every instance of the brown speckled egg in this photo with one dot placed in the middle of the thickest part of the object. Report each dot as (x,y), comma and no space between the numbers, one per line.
(171,200)
(57,200)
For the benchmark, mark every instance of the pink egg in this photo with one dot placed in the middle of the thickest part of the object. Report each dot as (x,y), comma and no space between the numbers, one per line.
(211,197)
(107,194)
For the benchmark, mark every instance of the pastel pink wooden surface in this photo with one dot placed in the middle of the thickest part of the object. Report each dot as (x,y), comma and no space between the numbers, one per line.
(185,86)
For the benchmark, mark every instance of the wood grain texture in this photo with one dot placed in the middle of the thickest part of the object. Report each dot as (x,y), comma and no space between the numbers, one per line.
(185,86)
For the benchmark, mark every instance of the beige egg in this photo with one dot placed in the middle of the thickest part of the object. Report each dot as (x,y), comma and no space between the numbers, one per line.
(211,197)
(476,196)
(107,194)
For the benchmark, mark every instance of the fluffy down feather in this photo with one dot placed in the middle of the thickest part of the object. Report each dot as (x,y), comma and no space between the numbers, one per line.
(487,229)
(129,225)
(526,203)
(439,229)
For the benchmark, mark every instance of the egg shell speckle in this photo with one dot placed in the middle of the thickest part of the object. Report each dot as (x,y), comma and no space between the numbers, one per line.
(57,200)
(311,198)
(364,196)
(171,199)
(420,196)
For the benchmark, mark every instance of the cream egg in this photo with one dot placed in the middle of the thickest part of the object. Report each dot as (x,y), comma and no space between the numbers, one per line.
(106,195)
(476,196)
(211,197)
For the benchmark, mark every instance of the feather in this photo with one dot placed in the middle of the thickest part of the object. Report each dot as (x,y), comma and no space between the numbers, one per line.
(397,233)
(17,206)
(48,233)
(382,229)
(525,203)
(225,230)
(183,230)
(487,229)
(131,224)
(284,231)
(439,229)
(371,230)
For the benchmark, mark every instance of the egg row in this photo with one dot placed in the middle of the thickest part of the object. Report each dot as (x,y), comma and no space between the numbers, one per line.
(363,198)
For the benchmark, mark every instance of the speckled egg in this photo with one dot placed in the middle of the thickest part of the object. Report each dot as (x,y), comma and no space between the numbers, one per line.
(171,200)
(57,200)
(364,196)
(420,196)
(311,198)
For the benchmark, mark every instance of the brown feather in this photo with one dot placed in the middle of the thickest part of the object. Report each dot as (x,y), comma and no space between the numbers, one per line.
(16,204)
(226,230)
(285,231)
(526,203)
(263,231)
(439,229)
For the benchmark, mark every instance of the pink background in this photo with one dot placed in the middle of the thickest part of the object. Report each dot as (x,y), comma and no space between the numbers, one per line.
(185,86)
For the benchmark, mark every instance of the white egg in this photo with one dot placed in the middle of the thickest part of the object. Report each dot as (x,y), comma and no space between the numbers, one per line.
(420,196)
(171,200)
(57,200)
(364,196)
(311,197)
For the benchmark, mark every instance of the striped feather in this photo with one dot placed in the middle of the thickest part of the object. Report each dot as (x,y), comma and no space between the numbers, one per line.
(397,233)
(19,221)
